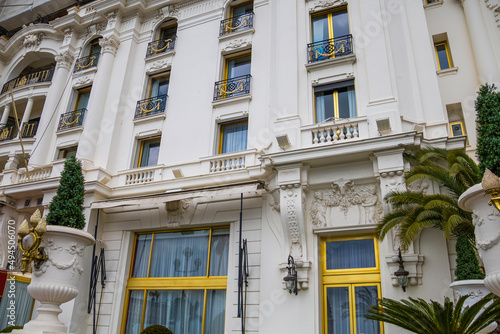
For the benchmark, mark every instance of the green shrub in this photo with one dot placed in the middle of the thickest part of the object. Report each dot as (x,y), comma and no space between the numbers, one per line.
(10,329)
(467,263)
(66,208)
(156,329)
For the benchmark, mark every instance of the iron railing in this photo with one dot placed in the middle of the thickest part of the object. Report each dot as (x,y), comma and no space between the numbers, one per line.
(151,106)
(236,23)
(29,129)
(330,48)
(86,62)
(160,46)
(232,87)
(8,132)
(29,79)
(71,119)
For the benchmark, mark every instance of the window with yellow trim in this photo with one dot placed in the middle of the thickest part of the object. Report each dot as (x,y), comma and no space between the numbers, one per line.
(233,136)
(158,86)
(67,152)
(330,34)
(351,284)
(443,55)
(178,279)
(457,129)
(82,98)
(16,292)
(335,101)
(149,151)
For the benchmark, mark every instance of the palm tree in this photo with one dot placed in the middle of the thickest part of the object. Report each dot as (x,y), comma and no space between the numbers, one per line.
(413,211)
(418,316)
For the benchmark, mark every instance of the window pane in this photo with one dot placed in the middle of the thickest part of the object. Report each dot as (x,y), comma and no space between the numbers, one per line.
(340,23)
(347,102)
(242,9)
(365,296)
(181,311)
(167,33)
(134,312)
(160,87)
(141,258)
(180,254)
(337,310)
(350,254)
(442,56)
(320,28)
(234,137)
(219,252)
(82,100)
(216,310)
(324,106)
(238,67)
(150,152)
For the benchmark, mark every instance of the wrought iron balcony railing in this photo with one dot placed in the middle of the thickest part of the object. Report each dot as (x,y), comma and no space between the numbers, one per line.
(71,119)
(232,87)
(29,79)
(330,48)
(160,46)
(29,129)
(86,62)
(8,132)
(151,106)
(236,23)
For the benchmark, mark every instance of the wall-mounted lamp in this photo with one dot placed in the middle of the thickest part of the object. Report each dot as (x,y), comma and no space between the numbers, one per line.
(491,185)
(291,278)
(401,274)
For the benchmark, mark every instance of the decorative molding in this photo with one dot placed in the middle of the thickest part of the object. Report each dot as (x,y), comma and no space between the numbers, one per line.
(75,264)
(236,44)
(96,29)
(64,60)
(68,35)
(32,41)
(176,211)
(158,66)
(494,5)
(112,17)
(109,44)
(325,4)
(83,81)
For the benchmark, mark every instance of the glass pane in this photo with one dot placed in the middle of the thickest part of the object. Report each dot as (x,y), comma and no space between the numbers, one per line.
(141,257)
(82,100)
(320,28)
(340,23)
(442,56)
(337,310)
(181,311)
(234,137)
(150,153)
(365,296)
(160,87)
(134,312)
(347,102)
(238,67)
(219,252)
(324,106)
(180,254)
(216,310)
(243,9)
(349,254)
(168,33)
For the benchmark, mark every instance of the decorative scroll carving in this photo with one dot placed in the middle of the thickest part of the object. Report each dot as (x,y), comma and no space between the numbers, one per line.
(75,264)
(109,44)
(237,44)
(112,17)
(68,34)
(96,29)
(157,66)
(323,4)
(83,81)
(292,217)
(64,60)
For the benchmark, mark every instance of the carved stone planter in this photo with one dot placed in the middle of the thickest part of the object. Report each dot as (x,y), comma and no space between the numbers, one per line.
(476,290)
(486,220)
(56,281)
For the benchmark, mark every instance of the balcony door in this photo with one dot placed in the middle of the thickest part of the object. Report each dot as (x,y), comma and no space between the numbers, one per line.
(238,67)
(330,25)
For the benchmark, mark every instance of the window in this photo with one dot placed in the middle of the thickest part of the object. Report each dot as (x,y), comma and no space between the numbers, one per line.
(237,67)
(94,47)
(23,301)
(178,280)
(456,119)
(157,97)
(351,284)
(335,101)
(457,129)
(159,86)
(240,18)
(67,152)
(330,35)
(443,55)
(233,136)
(236,78)
(82,98)
(164,39)
(149,152)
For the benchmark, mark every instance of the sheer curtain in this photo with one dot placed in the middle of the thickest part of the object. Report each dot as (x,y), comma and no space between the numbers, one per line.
(366,296)
(23,304)
(141,260)
(215,313)
(134,313)
(219,252)
(320,108)
(350,254)
(351,96)
(234,137)
(337,313)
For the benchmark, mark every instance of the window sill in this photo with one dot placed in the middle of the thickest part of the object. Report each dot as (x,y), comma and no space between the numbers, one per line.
(160,116)
(448,71)
(350,59)
(85,72)
(436,4)
(70,130)
(237,34)
(159,56)
(229,100)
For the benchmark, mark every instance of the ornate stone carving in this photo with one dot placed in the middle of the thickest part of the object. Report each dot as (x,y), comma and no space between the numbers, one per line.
(96,29)
(68,34)
(237,44)
(33,40)
(176,210)
(109,44)
(83,81)
(291,198)
(74,264)
(158,66)
(112,17)
(323,4)
(64,60)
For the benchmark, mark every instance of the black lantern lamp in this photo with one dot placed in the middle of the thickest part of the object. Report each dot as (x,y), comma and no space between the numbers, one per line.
(401,274)
(291,278)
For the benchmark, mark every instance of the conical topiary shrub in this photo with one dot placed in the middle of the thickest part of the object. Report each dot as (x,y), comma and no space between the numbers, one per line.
(467,263)
(66,208)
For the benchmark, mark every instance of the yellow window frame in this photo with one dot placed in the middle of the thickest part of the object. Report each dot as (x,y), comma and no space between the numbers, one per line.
(204,283)
(461,125)
(221,131)
(448,56)
(157,78)
(79,94)
(336,109)
(232,7)
(329,14)
(63,152)
(141,149)
(234,57)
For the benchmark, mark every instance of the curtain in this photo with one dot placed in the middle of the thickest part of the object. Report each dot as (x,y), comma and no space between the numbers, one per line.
(365,296)
(219,252)
(234,137)
(134,312)
(337,313)
(340,24)
(83,100)
(215,313)
(320,28)
(141,260)
(180,254)
(23,304)
(320,108)
(350,254)
(351,96)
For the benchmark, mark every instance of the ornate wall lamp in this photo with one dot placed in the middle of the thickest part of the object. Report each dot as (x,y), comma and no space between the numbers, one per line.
(491,185)
(29,241)
(291,278)
(401,274)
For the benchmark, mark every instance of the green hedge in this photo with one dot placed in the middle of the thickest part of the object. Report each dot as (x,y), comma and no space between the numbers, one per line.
(488,129)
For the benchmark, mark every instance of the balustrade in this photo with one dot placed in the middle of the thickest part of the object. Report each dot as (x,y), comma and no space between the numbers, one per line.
(334,133)
(236,23)
(161,46)
(29,79)
(329,48)
(71,119)
(151,106)
(232,87)
(225,164)
(86,62)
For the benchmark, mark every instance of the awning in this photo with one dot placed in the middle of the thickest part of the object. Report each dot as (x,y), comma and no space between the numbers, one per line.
(218,191)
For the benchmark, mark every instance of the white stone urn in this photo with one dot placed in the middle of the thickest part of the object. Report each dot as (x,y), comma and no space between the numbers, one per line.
(56,281)
(476,290)
(486,221)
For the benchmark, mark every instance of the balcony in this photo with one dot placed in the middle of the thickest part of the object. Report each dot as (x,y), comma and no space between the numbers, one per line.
(29,129)
(29,79)
(71,119)
(151,106)
(236,23)
(330,48)
(340,131)
(232,87)
(86,62)
(160,46)
(8,132)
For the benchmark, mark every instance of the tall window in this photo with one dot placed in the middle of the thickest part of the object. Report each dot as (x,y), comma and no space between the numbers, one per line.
(237,67)
(236,78)
(335,101)
(178,280)
(233,136)
(94,47)
(159,86)
(148,152)
(443,55)
(164,39)
(330,34)
(82,98)
(351,284)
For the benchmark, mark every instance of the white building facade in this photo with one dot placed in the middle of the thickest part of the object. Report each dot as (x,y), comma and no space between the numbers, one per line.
(294,114)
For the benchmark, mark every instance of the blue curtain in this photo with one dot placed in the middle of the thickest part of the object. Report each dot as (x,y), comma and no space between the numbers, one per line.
(234,137)
(349,254)
(134,312)
(365,296)
(23,304)
(337,310)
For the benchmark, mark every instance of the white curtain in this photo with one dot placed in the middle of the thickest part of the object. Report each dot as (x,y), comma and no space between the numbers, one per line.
(23,304)
(351,96)
(141,260)
(219,252)
(234,137)
(350,254)
(320,107)
(215,313)
(337,310)
(366,296)
(134,312)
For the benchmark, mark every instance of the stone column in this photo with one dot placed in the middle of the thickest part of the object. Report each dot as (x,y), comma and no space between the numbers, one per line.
(487,67)
(41,155)
(26,115)
(91,135)
(5,115)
